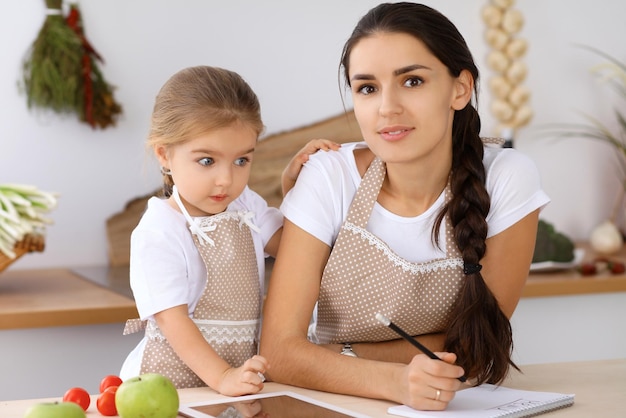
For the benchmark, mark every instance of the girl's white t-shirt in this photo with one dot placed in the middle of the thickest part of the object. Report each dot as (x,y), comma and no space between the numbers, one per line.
(327,184)
(166,269)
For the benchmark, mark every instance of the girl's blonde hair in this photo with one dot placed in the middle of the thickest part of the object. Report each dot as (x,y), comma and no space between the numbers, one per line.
(197,100)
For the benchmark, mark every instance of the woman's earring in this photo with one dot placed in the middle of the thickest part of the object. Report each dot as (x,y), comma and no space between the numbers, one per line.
(166,171)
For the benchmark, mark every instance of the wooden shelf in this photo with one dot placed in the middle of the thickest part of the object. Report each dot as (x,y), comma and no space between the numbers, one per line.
(571,282)
(101,294)
(58,297)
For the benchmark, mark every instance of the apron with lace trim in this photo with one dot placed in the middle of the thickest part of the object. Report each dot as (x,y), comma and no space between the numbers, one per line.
(228,311)
(364,276)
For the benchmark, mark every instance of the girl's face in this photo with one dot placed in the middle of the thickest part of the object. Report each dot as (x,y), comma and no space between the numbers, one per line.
(404,98)
(211,170)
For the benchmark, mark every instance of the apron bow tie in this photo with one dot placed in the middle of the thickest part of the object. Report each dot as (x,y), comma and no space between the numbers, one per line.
(201,230)
(245,217)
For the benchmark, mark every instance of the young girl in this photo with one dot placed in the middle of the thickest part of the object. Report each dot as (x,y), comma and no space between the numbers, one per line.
(197,257)
(420,222)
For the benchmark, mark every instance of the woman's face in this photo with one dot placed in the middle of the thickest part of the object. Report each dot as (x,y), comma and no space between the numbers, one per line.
(404,98)
(211,170)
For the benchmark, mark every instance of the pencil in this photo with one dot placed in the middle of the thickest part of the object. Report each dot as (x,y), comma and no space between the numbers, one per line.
(387,322)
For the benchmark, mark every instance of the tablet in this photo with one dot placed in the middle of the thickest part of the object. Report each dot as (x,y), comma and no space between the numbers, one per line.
(261,405)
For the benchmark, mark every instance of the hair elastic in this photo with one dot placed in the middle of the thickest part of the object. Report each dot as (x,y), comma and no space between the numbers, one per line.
(471,268)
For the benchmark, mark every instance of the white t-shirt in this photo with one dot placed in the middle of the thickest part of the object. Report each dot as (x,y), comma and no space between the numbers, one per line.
(166,269)
(327,184)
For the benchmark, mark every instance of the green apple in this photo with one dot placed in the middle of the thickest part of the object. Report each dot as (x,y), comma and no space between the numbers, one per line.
(55,410)
(149,395)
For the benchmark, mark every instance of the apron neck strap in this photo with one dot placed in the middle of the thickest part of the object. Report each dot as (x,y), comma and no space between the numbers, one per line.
(193,225)
(367,193)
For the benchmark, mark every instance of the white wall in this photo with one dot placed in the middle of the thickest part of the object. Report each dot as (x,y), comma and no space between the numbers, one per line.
(569,328)
(288,51)
(45,362)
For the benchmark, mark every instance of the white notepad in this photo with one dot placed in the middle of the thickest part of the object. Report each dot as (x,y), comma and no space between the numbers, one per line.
(492,401)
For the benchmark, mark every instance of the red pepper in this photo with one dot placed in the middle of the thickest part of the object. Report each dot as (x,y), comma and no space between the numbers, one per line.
(88,90)
(72,19)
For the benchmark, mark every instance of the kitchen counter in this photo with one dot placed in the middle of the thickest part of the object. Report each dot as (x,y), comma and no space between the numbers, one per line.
(599,388)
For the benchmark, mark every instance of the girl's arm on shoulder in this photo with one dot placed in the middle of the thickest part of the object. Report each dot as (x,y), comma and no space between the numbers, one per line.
(189,344)
(507,261)
(290,174)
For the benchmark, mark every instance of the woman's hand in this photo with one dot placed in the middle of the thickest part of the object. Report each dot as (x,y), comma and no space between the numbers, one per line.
(431,384)
(245,379)
(290,174)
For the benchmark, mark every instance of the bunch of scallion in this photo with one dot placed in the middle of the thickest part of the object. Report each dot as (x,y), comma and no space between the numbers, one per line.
(22,209)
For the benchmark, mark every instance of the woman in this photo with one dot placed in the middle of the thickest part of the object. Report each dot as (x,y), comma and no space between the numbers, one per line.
(420,222)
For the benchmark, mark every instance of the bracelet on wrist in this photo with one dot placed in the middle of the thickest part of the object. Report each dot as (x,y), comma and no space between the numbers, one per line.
(347,350)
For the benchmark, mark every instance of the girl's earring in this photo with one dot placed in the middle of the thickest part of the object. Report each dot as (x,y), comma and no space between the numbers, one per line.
(166,171)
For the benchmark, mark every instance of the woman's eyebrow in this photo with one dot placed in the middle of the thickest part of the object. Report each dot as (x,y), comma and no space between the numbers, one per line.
(397,72)
(362,77)
(410,68)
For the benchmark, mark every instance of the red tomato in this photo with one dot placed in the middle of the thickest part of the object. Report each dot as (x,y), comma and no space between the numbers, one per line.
(110,380)
(106,402)
(79,396)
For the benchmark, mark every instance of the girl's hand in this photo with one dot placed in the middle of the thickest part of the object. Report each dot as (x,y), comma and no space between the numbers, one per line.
(290,174)
(250,409)
(245,379)
(431,384)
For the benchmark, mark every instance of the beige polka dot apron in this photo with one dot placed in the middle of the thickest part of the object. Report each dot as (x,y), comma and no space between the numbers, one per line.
(364,276)
(228,312)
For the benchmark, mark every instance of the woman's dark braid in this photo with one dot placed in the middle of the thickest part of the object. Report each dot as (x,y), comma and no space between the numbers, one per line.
(479,332)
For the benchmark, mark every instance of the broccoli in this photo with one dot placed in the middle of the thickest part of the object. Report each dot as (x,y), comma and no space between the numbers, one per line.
(552,245)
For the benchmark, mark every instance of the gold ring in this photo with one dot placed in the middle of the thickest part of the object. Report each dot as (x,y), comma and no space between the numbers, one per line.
(438,395)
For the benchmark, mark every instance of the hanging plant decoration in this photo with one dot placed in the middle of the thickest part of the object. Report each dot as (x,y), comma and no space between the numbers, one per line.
(61,73)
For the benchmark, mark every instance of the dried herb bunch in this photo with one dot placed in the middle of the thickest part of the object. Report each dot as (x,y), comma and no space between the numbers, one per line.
(61,73)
